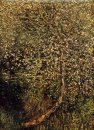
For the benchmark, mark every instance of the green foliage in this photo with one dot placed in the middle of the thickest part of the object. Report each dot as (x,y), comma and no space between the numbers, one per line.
(8,120)
(87,109)
(31,36)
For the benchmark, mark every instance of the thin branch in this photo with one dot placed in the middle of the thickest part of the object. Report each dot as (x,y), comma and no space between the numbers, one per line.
(43,117)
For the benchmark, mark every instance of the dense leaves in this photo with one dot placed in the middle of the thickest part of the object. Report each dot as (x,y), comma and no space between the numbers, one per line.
(34,38)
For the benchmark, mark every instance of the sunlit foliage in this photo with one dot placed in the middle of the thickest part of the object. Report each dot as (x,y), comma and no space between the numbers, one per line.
(31,38)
